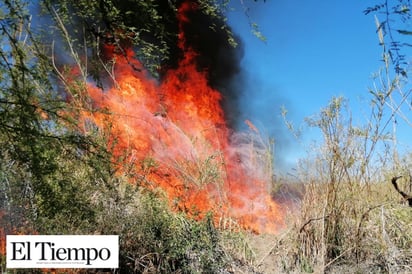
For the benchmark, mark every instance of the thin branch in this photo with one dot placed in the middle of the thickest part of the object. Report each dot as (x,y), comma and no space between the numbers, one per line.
(312,220)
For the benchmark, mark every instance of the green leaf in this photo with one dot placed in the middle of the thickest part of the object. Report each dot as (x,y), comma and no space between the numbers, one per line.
(405,32)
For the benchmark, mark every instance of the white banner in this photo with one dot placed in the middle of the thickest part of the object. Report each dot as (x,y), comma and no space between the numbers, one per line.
(62,251)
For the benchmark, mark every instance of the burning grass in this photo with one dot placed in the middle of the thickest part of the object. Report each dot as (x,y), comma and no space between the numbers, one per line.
(179,124)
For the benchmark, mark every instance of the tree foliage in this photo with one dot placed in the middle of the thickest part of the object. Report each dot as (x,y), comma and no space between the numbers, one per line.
(392,23)
(393,30)
(45,158)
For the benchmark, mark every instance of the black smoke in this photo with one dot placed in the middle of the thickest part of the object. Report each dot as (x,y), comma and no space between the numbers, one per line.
(209,37)
(158,24)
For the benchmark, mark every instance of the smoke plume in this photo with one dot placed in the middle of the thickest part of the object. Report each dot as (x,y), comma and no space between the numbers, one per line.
(209,37)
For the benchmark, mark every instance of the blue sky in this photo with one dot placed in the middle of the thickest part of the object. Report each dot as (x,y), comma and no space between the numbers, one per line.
(314,50)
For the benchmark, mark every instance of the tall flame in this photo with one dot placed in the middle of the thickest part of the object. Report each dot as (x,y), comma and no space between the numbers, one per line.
(179,127)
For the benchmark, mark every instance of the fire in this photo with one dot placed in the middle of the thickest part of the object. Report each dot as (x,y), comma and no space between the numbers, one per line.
(175,135)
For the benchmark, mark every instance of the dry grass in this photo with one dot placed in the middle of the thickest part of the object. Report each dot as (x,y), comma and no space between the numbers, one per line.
(344,228)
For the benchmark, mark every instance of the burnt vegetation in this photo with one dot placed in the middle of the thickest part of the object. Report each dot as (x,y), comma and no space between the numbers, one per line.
(406,197)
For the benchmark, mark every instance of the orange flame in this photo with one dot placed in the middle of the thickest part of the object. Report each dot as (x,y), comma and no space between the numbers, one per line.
(180,125)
